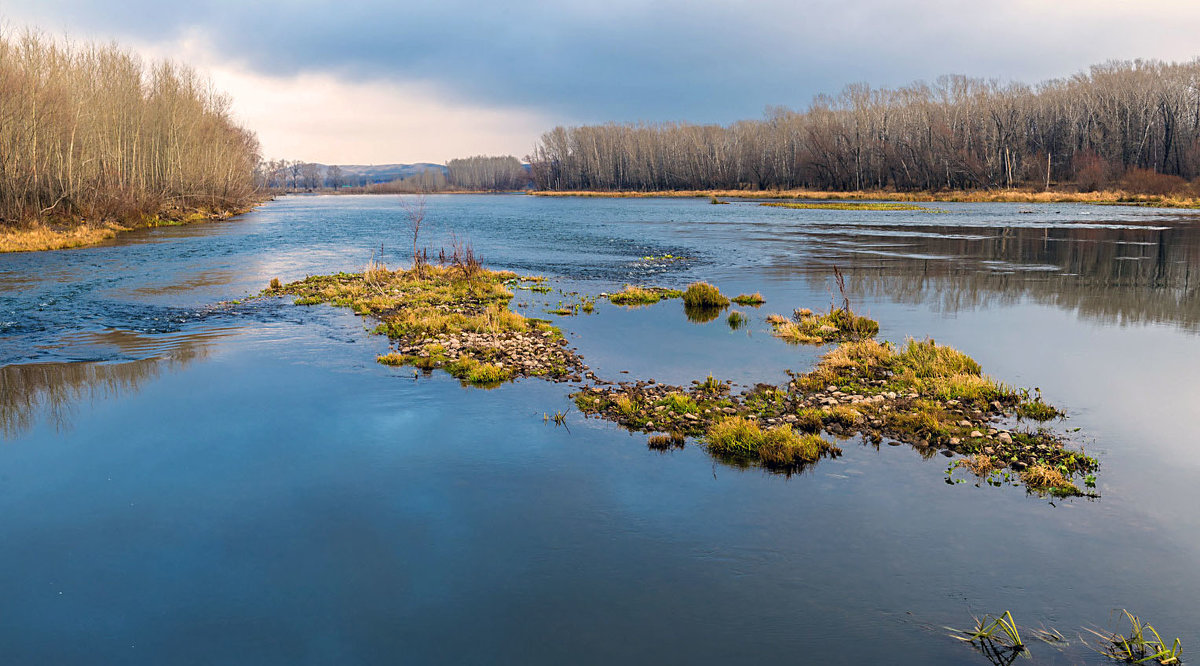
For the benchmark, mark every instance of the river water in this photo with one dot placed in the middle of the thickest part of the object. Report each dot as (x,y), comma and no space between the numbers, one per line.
(186,479)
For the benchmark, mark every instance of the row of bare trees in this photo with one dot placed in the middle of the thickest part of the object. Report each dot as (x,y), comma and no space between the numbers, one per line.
(488,173)
(1090,130)
(92,131)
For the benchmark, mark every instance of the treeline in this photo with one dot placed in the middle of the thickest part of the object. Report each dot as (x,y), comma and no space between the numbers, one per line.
(487,173)
(1133,124)
(427,180)
(481,173)
(92,132)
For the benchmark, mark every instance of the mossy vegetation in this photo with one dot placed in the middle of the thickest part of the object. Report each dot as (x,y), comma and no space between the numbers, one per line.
(736,320)
(451,318)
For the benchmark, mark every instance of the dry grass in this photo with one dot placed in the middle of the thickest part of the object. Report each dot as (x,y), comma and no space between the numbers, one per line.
(42,237)
(981,465)
(1043,478)
(662,442)
(1107,197)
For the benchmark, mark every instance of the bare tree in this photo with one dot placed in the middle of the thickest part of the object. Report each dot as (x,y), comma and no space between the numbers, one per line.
(414,211)
(1115,121)
(334,177)
(93,132)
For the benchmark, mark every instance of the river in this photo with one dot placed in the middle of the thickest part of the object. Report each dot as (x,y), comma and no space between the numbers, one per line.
(189,479)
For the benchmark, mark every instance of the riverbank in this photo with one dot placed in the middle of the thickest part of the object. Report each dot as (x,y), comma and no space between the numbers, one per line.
(60,235)
(1100,198)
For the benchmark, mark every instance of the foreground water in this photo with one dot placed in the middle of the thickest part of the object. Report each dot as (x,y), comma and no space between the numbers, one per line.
(186,481)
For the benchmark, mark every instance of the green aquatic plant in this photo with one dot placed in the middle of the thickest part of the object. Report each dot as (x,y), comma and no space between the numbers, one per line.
(1035,409)
(1143,644)
(998,631)
(736,320)
(711,385)
(559,417)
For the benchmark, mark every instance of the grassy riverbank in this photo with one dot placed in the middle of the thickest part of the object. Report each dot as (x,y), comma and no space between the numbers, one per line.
(1102,198)
(67,234)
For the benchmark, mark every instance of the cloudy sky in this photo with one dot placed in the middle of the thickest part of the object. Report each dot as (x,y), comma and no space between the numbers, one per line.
(375,81)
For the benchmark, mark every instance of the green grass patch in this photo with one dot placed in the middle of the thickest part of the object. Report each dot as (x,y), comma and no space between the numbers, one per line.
(756,299)
(632,295)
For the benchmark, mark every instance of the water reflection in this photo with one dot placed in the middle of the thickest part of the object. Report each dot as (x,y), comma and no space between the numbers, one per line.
(1114,275)
(32,392)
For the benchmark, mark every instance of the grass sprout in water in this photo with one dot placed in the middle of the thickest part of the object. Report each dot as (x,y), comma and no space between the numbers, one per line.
(996,637)
(1143,645)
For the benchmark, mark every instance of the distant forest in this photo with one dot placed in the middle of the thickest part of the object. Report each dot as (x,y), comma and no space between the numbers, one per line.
(469,174)
(92,132)
(1132,125)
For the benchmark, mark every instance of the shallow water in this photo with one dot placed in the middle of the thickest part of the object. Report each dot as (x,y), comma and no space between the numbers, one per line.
(189,481)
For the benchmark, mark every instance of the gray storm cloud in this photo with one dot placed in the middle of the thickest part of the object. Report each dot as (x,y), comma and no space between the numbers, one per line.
(699,61)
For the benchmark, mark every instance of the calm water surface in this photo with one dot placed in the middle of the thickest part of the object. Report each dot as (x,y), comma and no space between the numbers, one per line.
(187,480)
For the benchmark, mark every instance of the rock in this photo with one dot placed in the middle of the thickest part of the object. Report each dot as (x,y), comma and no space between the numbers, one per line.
(976,434)
(997,406)
(1005,438)
(954,441)
(965,423)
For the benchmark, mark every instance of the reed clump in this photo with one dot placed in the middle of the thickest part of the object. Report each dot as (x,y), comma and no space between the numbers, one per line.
(778,446)
(704,295)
